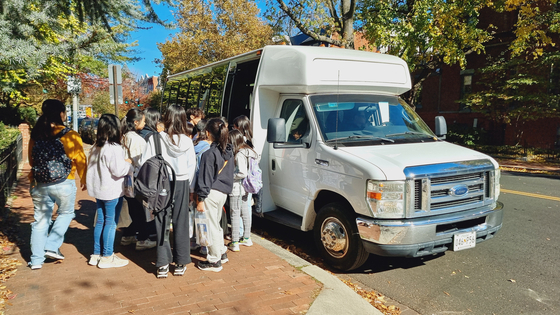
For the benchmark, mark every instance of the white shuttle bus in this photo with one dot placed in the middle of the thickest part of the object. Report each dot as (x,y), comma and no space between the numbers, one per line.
(345,157)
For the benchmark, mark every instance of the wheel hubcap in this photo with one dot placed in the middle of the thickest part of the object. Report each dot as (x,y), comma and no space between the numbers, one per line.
(334,237)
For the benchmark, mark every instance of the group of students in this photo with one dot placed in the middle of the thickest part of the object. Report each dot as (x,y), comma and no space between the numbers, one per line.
(209,163)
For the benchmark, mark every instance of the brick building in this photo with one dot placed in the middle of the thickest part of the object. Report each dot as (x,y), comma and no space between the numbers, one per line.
(440,95)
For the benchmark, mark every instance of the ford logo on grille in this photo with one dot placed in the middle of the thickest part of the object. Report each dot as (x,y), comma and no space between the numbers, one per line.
(459,190)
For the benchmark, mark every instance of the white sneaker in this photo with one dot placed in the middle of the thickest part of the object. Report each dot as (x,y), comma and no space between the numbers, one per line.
(111,262)
(94,260)
(127,240)
(147,244)
(234,246)
(246,242)
(34,267)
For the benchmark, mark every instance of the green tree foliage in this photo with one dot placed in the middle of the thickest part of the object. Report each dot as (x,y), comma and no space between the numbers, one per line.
(425,33)
(523,82)
(213,30)
(45,41)
(327,21)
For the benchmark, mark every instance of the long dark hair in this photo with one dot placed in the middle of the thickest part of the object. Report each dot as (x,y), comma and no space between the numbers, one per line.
(108,130)
(133,115)
(236,139)
(175,120)
(153,116)
(51,115)
(217,128)
(244,125)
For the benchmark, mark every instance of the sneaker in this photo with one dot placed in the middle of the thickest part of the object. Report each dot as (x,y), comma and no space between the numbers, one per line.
(204,250)
(54,255)
(179,270)
(162,271)
(127,240)
(111,262)
(234,246)
(208,266)
(94,260)
(147,244)
(224,258)
(246,242)
(35,267)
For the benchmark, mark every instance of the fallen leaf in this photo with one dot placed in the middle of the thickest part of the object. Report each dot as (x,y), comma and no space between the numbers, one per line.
(512,280)
(447,293)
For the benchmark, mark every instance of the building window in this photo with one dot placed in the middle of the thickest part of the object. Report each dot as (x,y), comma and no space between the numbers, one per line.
(466,86)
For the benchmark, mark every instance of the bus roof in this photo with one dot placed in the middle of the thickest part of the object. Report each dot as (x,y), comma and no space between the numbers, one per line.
(311,69)
(255,54)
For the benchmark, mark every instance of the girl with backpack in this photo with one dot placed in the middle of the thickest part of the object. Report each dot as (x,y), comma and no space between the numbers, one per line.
(48,189)
(239,199)
(107,169)
(134,145)
(214,183)
(243,124)
(177,150)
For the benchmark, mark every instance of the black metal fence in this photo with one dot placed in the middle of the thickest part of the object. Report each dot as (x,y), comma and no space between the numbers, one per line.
(10,158)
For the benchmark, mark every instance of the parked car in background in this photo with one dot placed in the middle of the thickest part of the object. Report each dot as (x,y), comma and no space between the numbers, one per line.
(87,129)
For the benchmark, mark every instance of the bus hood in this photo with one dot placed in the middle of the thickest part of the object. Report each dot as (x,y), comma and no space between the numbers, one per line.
(392,159)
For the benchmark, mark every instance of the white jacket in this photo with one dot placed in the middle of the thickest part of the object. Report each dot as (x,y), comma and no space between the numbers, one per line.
(134,145)
(180,155)
(242,170)
(106,171)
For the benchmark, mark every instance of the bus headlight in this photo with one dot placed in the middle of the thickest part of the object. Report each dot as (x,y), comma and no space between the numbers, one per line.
(386,198)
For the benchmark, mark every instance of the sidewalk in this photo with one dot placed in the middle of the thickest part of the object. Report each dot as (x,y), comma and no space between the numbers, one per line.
(262,279)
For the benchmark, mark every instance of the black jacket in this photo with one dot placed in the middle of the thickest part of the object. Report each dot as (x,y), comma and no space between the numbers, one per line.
(210,164)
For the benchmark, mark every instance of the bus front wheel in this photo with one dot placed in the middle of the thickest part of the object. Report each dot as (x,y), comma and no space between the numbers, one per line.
(337,238)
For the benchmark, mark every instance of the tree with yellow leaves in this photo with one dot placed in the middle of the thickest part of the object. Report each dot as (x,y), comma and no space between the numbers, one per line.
(427,34)
(523,82)
(213,30)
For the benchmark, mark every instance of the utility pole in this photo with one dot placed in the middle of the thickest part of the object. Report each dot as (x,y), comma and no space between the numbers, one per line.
(74,87)
(115,86)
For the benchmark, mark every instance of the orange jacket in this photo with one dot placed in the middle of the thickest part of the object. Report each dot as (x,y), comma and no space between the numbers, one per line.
(74,149)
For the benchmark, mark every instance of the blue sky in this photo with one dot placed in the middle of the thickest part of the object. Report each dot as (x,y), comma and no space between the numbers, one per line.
(147,44)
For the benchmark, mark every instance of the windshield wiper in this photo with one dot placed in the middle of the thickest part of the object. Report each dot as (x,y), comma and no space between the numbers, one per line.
(360,137)
(410,133)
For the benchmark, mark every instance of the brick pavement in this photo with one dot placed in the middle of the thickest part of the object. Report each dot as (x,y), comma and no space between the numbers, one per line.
(254,281)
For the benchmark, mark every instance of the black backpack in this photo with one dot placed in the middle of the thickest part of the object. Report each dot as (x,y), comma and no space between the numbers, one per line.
(155,185)
(50,162)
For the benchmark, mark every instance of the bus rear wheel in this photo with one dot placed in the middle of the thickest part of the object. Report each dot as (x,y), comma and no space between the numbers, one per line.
(337,238)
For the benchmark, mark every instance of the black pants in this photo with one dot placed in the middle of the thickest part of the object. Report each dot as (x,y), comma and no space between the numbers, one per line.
(179,215)
(139,224)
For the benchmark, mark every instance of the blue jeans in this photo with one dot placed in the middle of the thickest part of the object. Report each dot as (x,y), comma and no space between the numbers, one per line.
(108,212)
(45,196)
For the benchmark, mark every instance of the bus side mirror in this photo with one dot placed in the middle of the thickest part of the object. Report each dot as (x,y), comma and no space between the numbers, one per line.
(441,127)
(276,132)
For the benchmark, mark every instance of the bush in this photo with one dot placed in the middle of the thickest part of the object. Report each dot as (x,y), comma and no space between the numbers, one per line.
(7,136)
(468,136)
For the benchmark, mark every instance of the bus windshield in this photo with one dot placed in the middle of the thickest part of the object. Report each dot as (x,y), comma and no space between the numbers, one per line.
(356,118)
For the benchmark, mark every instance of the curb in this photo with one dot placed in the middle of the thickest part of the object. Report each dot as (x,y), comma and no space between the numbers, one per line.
(335,297)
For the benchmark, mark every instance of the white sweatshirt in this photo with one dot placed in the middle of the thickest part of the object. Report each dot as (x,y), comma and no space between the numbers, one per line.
(180,155)
(106,171)
(134,145)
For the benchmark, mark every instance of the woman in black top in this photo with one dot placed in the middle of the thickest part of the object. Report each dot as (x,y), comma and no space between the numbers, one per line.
(214,183)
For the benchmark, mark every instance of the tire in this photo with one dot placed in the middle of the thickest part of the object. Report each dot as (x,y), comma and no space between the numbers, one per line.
(337,238)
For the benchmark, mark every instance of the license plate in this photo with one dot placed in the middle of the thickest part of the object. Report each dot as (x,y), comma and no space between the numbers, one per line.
(464,240)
